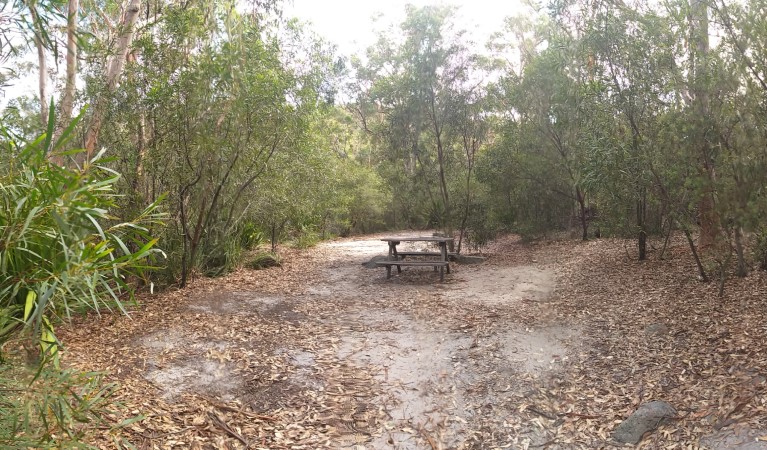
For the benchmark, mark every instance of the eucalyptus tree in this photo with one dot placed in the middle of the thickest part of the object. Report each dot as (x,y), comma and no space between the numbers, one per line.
(210,95)
(540,103)
(741,121)
(632,71)
(31,24)
(408,87)
(699,89)
(471,125)
(51,25)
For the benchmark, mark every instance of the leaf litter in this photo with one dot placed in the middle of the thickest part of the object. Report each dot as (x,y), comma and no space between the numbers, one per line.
(322,353)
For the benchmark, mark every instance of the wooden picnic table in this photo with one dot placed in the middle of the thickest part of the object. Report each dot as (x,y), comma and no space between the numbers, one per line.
(397,258)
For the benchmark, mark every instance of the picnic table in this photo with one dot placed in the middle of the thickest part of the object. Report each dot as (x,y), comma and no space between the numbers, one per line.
(438,260)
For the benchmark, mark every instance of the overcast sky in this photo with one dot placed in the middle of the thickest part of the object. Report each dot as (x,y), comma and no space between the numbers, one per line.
(348,23)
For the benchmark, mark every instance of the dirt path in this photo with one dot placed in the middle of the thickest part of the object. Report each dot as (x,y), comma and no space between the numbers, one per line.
(325,353)
(433,345)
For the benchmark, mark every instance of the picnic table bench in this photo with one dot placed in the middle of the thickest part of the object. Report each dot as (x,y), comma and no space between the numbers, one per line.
(397,258)
(405,254)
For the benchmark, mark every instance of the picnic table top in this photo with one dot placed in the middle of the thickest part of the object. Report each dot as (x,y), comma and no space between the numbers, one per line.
(417,239)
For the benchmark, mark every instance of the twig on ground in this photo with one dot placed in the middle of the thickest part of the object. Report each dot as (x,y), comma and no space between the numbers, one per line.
(545,414)
(221,424)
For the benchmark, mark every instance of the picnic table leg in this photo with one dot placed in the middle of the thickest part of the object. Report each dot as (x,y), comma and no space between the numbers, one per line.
(388,272)
(443,250)
(441,273)
(393,250)
(399,269)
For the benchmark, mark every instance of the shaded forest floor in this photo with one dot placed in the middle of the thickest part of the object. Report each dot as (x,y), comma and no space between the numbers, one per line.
(547,345)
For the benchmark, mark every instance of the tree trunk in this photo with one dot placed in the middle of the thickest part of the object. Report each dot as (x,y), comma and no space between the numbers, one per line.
(665,241)
(470,146)
(701,271)
(42,67)
(699,44)
(184,238)
(641,219)
(447,220)
(582,205)
(742,269)
(274,237)
(114,69)
(68,97)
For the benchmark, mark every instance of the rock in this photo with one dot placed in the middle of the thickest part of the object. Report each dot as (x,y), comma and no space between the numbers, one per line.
(461,259)
(372,263)
(646,418)
(656,329)
(742,438)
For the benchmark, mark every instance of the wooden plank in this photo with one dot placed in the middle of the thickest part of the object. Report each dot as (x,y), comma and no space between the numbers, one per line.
(418,239)
(425,254)
(441,264)
(412,263)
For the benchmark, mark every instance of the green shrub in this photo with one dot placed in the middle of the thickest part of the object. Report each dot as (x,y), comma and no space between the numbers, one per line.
(50,408)
(306,236)
(62,252)
(251,237)
(760,248)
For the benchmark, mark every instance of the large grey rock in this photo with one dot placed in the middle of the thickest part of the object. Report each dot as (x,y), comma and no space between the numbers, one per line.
(742,438)
(656,330)
(646,418)
(462,259)
(372,263)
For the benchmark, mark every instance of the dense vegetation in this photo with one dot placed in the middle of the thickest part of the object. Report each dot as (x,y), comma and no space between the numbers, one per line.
(213,127)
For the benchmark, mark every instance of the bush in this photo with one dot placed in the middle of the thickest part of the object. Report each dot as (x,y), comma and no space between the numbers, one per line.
(61,252)
(306,236)
(49,408)
(251,237)
(760,248)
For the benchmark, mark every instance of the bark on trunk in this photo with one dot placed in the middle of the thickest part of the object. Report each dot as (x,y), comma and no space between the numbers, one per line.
(114,69)
(742,269)
(699,24)
(641,221)
(665,241)
(470,146)
(701,271)
(42,65)
(68,96)
(447,219)
(582,205)
(642,238)
(274,238)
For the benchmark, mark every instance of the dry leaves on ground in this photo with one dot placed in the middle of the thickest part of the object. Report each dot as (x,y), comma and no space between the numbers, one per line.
(257,357)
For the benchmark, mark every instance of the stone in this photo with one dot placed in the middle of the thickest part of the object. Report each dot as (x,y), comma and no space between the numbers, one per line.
(372,263)
(741,438)
(656,329)
(646,418)
(462,259)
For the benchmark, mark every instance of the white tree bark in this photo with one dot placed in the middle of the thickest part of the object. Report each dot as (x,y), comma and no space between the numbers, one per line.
(115,66)
(42,55)
(68,97)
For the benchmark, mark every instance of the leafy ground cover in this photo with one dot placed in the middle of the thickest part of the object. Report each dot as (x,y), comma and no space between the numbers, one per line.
(545,345)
